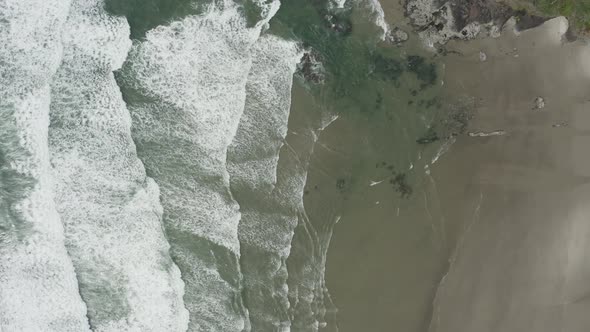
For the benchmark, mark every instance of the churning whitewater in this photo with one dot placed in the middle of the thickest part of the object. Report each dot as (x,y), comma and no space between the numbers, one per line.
(110,209)
(146,185)
(38,287)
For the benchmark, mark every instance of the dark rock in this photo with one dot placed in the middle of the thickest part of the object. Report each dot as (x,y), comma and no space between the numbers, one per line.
(439,21)
(311,68)
(481,11)
(396,36)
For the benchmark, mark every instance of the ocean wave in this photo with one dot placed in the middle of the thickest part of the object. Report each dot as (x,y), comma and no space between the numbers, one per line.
(266,227)
(38,286)
(109,208)
(378,16)
(186,89)
(86,242)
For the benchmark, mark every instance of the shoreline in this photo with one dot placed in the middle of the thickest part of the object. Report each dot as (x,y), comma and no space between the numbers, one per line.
(513,269)
(469,183)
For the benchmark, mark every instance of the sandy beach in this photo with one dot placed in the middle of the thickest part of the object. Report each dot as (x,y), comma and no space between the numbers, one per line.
(494,238)
(520,264)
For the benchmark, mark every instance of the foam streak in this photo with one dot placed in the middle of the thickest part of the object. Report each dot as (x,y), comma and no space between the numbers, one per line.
(38,286)
(110,209)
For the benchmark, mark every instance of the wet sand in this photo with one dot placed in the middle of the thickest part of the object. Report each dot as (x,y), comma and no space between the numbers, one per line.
(506,211)
(521,263)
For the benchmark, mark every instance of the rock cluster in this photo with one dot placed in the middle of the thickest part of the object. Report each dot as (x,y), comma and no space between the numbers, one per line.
(439,21)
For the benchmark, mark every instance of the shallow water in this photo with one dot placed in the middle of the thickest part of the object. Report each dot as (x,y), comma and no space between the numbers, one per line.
(194,177)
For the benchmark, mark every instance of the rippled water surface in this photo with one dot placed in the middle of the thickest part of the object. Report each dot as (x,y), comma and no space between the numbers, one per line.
(185,165)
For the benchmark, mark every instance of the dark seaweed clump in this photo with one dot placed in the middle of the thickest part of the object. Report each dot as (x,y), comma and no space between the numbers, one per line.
(400,184)
(429,137)
(389,68)
(397,180)
(342,185)
(379,100)
(425,71)
(458,121)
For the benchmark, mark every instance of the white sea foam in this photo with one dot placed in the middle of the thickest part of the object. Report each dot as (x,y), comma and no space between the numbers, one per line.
(197,69)
(194,73)
(38,287)
(254,152)
(338,3)
(265,229)
(308,293)
(379,16)
(110,209)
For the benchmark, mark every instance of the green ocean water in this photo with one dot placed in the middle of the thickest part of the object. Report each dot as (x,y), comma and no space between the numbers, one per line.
(387,119)
(244,165)
(197,165)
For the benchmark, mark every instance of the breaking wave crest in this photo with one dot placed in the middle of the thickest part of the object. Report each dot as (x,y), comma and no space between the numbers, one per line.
(266,225)
(109,208)
(378,14)
(185,85)
(200,237)
(38,287)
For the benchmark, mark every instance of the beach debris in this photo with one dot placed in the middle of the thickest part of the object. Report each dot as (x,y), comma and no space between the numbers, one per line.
(482,56)
(442,150)
(539,103)
(374,183)
(487,133)
(561,124)
(425,70)
(341,184)
(513,53)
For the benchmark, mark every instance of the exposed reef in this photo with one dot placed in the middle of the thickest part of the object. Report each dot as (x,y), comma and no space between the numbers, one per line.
(439,21)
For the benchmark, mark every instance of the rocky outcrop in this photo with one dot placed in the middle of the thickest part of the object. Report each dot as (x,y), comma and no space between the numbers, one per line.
(439,21)
(311,68)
